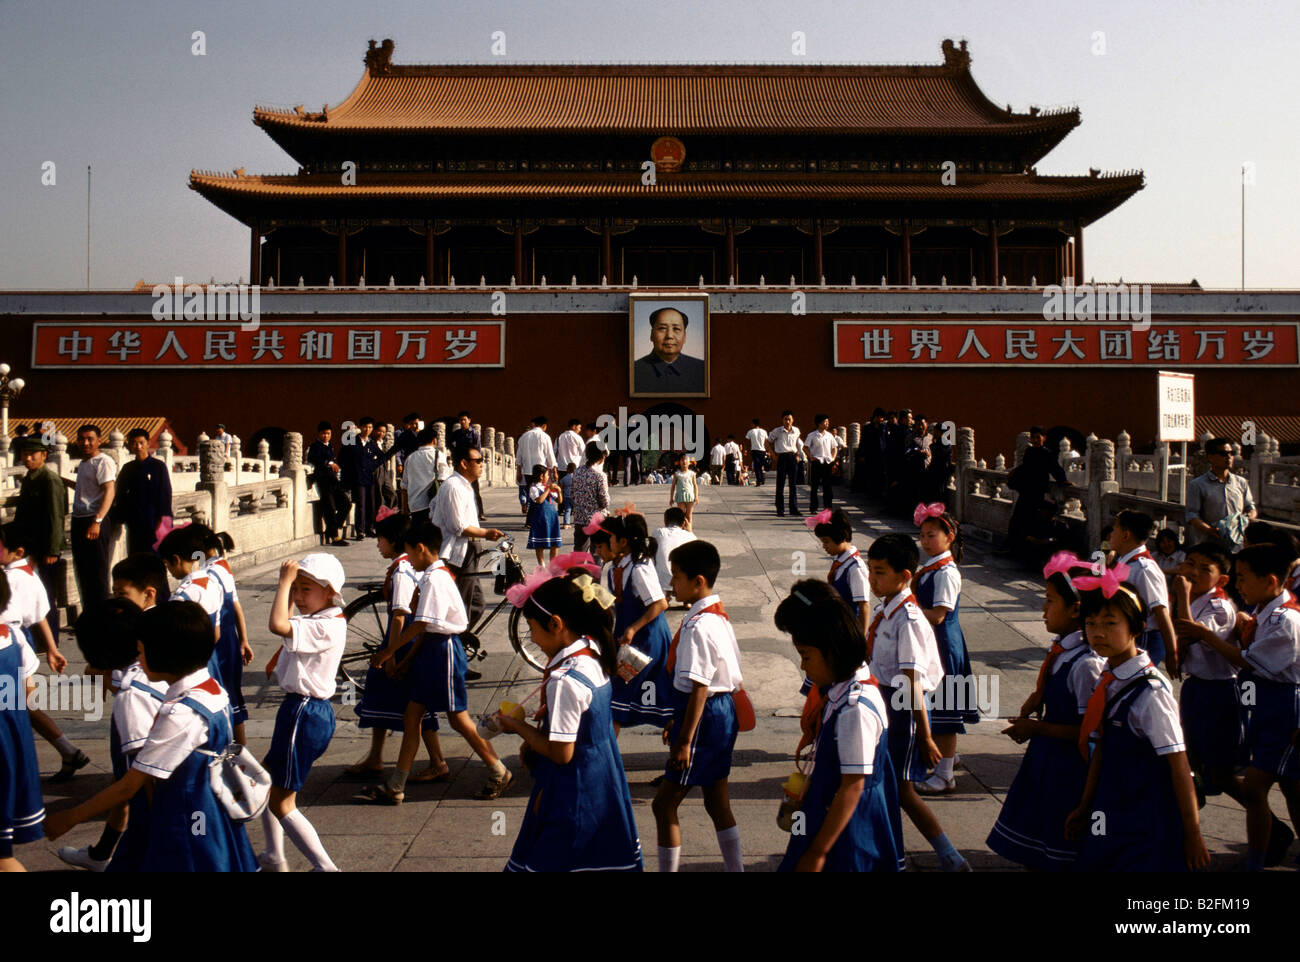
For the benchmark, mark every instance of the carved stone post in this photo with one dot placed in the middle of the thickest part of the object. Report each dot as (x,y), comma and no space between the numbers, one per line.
(1101,482)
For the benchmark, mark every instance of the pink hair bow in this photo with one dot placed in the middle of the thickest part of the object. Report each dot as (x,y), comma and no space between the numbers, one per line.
(821,517)
(1063,562)
(628,508)
(1109,581)
(592,526)
(574,559)
(384,512)
(519,594)
(165,527)
(924,511)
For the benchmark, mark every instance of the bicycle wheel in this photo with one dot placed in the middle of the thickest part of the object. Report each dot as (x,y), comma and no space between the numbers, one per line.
(523,642)
(365,616)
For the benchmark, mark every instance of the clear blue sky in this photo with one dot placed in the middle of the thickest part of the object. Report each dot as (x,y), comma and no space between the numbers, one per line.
(1185,90)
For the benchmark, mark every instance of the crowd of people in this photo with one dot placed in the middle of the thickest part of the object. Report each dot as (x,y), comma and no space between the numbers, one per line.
(887,690)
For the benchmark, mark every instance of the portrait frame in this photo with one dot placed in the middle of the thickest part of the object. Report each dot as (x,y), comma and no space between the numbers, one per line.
(642,362)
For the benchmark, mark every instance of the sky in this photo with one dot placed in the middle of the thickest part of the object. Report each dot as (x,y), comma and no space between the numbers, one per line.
(1187,91)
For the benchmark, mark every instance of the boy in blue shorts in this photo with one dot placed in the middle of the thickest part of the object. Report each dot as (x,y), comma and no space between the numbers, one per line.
(437,669)
(704,664)
(305,666)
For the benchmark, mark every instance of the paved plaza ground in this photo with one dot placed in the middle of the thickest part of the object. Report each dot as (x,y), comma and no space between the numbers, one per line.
(441,828)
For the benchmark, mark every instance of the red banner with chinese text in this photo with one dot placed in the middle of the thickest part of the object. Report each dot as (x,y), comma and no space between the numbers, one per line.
(1033,343)
(164,344)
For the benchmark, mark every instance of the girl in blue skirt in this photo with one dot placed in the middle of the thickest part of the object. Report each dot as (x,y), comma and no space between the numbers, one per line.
(938,592)
(1138,812)
(851,821)
(388,688)
(544,498)
(176,640)
(642,696)
(1031,827)
(21,808)
(233,649)
(579,816)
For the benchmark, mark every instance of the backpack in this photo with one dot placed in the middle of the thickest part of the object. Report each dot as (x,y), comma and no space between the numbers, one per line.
(240,783)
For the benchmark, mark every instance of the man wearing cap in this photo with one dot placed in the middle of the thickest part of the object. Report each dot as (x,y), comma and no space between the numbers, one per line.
(455,512)
(42,507)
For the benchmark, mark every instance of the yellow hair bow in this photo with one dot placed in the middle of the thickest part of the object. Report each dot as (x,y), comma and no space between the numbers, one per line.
(594,591)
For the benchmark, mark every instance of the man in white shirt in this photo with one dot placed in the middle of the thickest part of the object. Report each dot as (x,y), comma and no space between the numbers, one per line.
(92,526)
(667,538)
(788,449)
(757,439)
(717,458)
(419,472)
(733,460)
(456,513)
(823,448)
(569,446)
(533,451)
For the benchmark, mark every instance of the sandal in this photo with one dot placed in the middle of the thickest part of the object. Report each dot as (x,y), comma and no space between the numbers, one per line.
(431,774)
(361,773)
(495,786)
(380,794)
(71,765)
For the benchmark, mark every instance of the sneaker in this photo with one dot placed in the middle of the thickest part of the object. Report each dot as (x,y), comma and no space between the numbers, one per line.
(1279,840)
(71,765)
(80,857)
(269,863)
(495,786)
(934,785)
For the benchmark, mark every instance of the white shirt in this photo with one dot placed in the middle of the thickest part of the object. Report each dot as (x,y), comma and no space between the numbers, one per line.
(219,568)
(668,538)
(857,573)
(30,664)
(201,587)
(134,710)
(733,450)
(1085,669)
(566,698)
(92,475)
(904,639)
(641,579)
(1212,610)
(454,510)
(419,472)
(783,441)
(569,449)
(718,454)
(179,729)
(858,730)
(310,660)
(1154,715)
(1149,582)
(28,602)
(402,586)
(757,439)
(440,606)
(534,451)
(822,446)
(707,651)
(1275,652)
(947,581)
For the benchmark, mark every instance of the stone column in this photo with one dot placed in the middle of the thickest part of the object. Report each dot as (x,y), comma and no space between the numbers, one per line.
(292,468)
(853,436)
(264,459)
(116,449)
(1022,442)
(963,461)
(212,480)
(1123,454)
(237,456)
(1101,482)
(166,453)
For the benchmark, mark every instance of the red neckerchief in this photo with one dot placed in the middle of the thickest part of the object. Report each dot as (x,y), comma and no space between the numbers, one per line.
(880,616)
(616,576)
(810,719)
(1096,708)
(671,661)
(546,675)
(1052,654)
(935,566)
(837,564)
(1248,633)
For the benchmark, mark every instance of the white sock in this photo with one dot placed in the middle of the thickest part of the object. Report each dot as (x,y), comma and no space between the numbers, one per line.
(729,842)
(274,834)
(499,768)
(304,836)
(65,747)
(669,857)
(944,768)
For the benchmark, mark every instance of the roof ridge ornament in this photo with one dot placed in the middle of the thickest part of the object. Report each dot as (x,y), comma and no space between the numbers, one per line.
(955,56)
(379,59)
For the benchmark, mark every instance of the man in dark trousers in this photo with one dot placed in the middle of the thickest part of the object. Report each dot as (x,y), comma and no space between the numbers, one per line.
(788,449)
(869,474)
(92,519)
(144,494)
(42,508)
(334,501)
(1038,468)
(358,458)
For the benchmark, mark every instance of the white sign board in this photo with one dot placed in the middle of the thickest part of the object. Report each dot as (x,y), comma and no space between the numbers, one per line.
(1176,406)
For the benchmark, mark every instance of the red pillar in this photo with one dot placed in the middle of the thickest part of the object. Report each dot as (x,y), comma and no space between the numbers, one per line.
(1078,252)
(907,253)
(731,249)
(341,270)
(994,273)
(428,252)
(519,252)
(255,257)
(818,266)
(607,252)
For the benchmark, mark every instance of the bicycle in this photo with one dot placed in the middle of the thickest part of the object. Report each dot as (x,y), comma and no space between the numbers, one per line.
(367,614)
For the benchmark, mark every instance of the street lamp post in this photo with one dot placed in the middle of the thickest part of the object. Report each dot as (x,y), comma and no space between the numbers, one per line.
(10,388)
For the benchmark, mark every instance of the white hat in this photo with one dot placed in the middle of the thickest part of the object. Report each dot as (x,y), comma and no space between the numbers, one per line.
(324,569)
